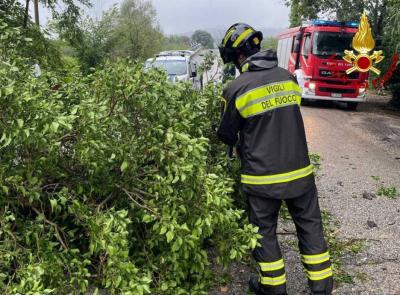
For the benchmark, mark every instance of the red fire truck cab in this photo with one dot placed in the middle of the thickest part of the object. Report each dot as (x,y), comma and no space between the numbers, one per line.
(313,53)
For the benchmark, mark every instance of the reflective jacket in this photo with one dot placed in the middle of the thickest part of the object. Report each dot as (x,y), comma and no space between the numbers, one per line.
(262,116)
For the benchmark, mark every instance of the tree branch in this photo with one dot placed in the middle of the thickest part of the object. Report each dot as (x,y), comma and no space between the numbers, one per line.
(56,227)
(144,206)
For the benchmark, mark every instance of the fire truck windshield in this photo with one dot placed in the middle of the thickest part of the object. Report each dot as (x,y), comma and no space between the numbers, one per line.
(326,44)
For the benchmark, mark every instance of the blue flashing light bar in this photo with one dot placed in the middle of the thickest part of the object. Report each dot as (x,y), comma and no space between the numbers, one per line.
(333,23)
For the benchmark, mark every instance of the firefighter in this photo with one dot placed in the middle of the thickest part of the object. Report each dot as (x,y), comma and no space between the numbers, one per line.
(262,117)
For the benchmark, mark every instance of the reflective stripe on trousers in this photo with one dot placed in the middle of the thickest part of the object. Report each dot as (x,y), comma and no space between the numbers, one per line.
(317,266)
(272,273)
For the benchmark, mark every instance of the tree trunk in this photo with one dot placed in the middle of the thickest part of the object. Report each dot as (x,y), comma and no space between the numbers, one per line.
(36,8)
(26,15)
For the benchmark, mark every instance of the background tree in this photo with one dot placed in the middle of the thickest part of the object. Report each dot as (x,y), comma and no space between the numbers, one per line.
(342,10)
(43,51)
(137,32)
(204,38)
(130,30)
(295,16)
(175,42)
(97,39)
(269,43)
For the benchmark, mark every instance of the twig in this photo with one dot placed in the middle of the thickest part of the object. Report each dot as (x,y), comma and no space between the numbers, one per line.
(129,194)
(104,201)
(113,105)
(67,136)
(56,227)
(286,233)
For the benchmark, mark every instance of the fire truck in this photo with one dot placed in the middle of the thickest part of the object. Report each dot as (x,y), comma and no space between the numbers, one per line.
(313,53)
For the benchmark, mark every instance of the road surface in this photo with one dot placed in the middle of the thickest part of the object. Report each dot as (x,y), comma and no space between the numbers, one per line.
(354,146)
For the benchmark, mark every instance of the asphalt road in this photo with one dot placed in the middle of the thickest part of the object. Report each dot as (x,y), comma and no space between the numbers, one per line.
(354,146)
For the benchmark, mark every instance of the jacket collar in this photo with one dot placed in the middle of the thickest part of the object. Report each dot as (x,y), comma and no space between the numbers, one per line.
(260,61)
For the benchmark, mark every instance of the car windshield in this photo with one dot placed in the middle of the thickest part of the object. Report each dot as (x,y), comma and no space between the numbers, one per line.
(173,67)
(326,44)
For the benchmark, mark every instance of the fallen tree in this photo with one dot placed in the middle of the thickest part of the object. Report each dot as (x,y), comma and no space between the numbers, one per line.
(112,180)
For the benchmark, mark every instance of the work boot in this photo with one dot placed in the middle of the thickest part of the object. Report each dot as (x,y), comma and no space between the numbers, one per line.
(258,289)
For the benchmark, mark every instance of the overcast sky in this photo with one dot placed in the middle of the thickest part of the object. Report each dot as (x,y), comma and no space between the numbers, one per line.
(179,16)
(182,16)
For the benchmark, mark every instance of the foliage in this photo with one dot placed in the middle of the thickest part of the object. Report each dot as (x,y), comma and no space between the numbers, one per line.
(295,16)
(12,13)
(175,42)
(113,180)
(315,160)
(343,10)
(392,46)
(138,34)
(130,30)
(382,190)
(42,51)
(270,43)
(204,38)
(68,17)
(96,40)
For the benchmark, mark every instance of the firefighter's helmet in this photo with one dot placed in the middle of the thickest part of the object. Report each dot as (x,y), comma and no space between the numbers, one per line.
(240,38)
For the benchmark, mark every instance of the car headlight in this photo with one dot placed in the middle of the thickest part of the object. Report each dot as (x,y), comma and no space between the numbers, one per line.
(362,90)
(311,86)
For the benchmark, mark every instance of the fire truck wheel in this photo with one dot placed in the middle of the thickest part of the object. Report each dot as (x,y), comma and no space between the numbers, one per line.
(352,106)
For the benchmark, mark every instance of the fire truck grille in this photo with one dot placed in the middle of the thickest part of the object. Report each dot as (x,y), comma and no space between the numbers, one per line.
(336,90)
(340,74)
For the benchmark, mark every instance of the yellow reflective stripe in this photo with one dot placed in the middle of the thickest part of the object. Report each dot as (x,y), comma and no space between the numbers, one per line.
(315,259)
(271,266)
(245,68)
(271,104)
(228,35)
(277,178)
(265,91)
(241,37)
(268,97)
(274,281)
(320,275)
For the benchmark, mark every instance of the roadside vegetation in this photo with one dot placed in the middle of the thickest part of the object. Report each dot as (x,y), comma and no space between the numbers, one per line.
(390,192)
(112,180)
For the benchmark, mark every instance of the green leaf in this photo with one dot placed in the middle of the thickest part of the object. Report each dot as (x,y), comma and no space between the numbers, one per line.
(8,90)
(54,126)
(170,236)
(5,189)
(124,166)
(20,123)
(53,204)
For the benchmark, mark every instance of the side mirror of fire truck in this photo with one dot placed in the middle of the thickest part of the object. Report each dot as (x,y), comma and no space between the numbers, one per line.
(297,42)
(296,47)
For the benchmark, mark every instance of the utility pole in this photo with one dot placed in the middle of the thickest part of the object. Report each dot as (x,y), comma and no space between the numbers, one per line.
(36,8)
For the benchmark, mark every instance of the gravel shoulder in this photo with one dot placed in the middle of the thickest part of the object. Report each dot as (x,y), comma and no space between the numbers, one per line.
(354,146)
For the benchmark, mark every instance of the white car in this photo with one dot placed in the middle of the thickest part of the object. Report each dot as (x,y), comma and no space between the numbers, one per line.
(179,66)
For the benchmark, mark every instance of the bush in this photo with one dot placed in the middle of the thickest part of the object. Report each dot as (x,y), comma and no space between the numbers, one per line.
(112,181)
